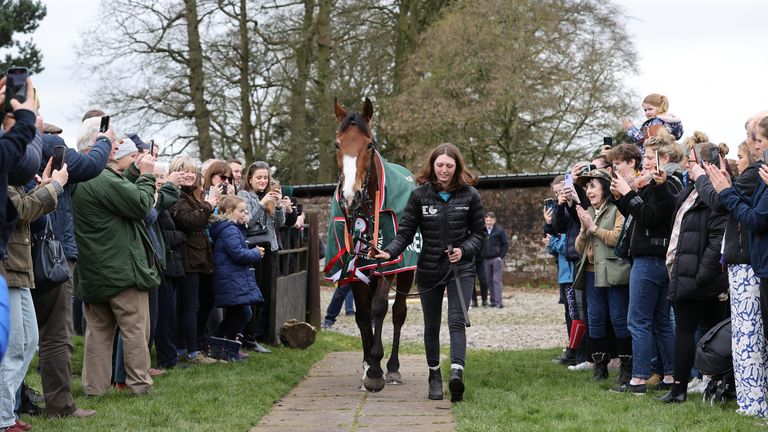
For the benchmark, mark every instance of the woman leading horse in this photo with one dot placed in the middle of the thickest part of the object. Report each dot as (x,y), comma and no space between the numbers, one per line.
(449,213)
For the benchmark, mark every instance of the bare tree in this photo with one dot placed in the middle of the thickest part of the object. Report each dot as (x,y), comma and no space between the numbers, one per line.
(529,87)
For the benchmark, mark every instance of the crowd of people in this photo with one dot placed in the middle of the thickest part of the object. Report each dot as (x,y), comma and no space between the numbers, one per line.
(179,256)
(657,242)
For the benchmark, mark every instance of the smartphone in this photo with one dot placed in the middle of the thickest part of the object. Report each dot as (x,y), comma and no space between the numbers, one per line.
(211,191)
(104,124)
(765,157)
(658,164)
(697,153)
(59,153)
(181,167)
(588,168)
(549,203)
(714,156)
(223,189)
(608,142)
(15,86)
(569,180)
(152,147)
(275,185)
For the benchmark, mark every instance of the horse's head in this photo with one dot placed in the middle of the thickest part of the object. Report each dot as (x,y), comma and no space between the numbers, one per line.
(354,147)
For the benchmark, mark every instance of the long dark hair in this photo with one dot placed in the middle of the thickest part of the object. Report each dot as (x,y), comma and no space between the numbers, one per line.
(246,180)
(461,177)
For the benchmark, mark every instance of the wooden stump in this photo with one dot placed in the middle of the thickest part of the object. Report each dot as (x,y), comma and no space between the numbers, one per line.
(295,334)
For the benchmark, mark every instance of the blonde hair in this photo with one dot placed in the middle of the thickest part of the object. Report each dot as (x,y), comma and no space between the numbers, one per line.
(744,147)
(664,143)
(183,163)
(229,203)
(659,101)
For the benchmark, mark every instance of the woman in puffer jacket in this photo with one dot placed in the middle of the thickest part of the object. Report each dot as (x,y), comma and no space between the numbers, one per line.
(698,283)
(449,213)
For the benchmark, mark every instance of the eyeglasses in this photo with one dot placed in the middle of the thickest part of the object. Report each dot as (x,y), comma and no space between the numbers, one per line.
(229,179)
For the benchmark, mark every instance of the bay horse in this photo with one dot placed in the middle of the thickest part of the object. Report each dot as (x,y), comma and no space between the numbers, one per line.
(370,197)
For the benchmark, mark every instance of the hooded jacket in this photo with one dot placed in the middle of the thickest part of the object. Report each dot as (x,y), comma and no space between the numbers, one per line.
(234,282)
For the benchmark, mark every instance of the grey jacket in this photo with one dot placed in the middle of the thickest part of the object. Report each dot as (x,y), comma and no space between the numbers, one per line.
(260,218)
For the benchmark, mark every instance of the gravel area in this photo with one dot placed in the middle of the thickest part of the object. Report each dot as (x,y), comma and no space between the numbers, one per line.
(529,319)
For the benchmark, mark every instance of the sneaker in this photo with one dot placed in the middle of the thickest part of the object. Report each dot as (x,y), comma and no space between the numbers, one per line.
(581,366)
(326,325)
(201,359)
(636,389)
(698,385)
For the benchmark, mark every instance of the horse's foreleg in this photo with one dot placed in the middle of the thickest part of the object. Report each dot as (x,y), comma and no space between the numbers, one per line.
(362,297)
(374,379)
(399,313)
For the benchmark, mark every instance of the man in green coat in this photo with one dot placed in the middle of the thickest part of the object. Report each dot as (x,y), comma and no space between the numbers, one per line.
(118,266)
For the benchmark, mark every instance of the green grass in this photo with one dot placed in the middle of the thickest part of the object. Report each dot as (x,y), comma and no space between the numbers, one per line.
(525,391)
(220,397)
(506,391)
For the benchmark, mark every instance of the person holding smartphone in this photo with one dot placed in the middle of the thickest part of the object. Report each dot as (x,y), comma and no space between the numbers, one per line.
(448,212)
(648,211)
(746,199)
(264,203)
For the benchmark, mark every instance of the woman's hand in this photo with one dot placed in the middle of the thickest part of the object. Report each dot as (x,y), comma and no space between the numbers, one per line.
(213,196)
(718,177)
(60,176)
(287,205)
(626,124)
(695,171)
(454,255)
(619,186)
(660,177)
(374,253)
(547,215)
(586,220)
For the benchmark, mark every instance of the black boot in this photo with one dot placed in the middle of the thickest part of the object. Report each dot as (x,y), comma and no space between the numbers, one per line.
(625,370)
(568,358)
(601,360)
(456,385)
(678,394)
(435,385)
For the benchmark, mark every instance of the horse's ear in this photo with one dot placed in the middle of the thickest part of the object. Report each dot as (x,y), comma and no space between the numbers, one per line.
(339,110)
(368,110)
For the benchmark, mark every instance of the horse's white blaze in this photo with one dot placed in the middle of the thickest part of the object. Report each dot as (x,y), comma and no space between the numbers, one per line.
(350,173)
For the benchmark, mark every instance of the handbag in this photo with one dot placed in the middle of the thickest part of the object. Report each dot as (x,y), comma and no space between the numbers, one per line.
(259,236)
(49,260)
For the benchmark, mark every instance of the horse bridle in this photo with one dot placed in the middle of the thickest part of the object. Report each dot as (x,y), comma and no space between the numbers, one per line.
(362,206)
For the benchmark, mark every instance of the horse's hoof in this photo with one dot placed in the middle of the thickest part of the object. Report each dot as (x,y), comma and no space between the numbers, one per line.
(394,378)
(374,385)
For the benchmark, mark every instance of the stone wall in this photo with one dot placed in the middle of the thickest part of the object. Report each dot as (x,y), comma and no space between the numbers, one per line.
(519,211)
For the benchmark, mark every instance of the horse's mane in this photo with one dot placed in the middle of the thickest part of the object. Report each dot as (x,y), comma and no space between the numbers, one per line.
(358,120)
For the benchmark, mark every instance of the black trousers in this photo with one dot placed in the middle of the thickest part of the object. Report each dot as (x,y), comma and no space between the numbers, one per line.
(688,315)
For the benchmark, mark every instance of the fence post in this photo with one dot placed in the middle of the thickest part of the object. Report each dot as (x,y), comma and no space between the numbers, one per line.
(313,271)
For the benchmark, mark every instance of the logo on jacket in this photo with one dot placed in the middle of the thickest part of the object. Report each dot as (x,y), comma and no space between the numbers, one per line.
(428,210)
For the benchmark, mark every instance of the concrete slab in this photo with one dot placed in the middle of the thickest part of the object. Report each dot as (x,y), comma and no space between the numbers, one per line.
(329,399)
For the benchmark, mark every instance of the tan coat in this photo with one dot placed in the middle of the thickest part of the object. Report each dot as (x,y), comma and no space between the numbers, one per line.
(38,202)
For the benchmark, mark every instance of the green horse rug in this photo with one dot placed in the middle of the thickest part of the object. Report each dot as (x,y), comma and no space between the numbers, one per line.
(396,184)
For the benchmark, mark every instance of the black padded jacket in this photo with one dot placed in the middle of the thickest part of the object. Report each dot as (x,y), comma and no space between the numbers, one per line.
(457,222)
(697,273)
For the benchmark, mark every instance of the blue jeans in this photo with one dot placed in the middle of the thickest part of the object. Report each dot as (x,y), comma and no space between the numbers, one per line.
(118,361)
(342,295)
(22,343)
(606,303)
(648,317)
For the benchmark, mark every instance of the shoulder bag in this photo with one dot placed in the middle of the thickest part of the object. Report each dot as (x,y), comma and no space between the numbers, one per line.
(49,261)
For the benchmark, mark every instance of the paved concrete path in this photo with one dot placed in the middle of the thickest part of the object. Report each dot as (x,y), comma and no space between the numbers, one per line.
(329,399)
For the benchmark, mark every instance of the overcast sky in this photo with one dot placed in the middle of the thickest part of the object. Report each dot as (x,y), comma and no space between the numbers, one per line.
(708,57)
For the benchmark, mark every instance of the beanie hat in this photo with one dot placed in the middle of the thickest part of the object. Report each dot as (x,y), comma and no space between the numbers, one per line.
(125,149)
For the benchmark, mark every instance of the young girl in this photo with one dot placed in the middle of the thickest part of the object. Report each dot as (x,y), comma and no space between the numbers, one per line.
(655,107)
(234,284)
